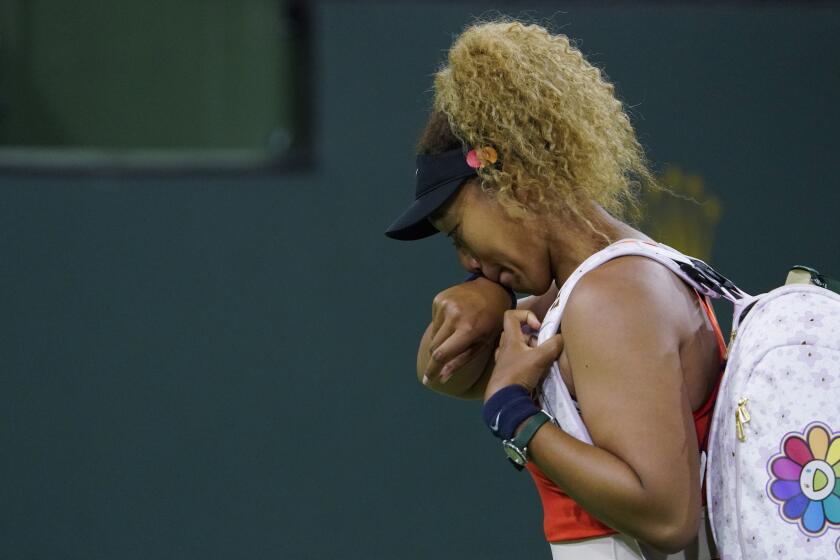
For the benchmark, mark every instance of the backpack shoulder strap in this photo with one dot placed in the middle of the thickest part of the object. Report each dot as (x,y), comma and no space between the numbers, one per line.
(694,272)
(555,396)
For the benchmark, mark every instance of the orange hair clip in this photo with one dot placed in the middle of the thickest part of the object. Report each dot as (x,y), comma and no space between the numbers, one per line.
(480,158)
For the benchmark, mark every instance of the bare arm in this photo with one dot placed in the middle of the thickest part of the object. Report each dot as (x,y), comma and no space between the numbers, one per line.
(621,336)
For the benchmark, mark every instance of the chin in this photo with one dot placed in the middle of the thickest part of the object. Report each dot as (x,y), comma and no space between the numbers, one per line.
(542,288)
(524,289)
(524,285)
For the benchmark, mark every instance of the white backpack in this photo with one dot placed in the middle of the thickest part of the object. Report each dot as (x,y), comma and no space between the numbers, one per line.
(773,486)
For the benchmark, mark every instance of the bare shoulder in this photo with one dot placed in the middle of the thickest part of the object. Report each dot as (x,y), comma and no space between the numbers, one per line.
(622,329)
(629,289)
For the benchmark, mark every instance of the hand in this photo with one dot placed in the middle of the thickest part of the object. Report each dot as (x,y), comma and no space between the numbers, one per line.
(466,318)
(518,358)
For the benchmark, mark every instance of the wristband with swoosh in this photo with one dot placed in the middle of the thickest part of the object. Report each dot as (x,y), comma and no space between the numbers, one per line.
(507,408)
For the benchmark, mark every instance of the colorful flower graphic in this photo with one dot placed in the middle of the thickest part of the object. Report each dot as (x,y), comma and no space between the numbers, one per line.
(805,479)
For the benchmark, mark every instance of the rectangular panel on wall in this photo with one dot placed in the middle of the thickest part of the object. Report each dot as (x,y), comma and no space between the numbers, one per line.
(152,83)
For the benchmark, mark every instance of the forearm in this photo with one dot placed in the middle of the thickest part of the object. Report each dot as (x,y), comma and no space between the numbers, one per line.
(608,488)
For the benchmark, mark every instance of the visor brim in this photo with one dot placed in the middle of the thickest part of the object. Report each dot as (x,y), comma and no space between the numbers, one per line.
(414,223)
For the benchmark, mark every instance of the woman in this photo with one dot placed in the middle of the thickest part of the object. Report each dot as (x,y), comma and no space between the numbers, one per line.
(528,163)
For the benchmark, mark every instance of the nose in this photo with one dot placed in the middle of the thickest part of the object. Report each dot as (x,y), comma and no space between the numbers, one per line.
(469,262)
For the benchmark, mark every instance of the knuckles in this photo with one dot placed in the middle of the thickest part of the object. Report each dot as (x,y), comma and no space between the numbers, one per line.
(452,309)
(445,303)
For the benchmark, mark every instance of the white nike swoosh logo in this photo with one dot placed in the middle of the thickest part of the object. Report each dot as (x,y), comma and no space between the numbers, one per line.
(495,425)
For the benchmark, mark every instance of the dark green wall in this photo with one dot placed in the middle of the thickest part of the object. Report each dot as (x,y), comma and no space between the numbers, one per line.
(222,367)
(144,75)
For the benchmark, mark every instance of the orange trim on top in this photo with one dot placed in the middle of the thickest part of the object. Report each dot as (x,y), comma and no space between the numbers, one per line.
(710,313)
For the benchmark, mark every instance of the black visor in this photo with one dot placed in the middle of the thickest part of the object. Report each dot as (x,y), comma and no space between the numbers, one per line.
(438,178)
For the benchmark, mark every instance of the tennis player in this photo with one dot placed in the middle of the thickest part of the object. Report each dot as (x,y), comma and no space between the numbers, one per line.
(529,164)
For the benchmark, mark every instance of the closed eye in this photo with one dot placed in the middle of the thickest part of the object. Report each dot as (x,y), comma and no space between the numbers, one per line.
(461,247)
(453,235)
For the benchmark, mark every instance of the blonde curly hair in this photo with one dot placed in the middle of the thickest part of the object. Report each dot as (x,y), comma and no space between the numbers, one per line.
(562,136)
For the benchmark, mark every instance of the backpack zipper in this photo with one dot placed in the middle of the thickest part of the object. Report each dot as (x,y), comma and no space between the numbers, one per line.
(742,416)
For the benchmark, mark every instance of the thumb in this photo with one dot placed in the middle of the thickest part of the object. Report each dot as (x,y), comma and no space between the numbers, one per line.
(551,349)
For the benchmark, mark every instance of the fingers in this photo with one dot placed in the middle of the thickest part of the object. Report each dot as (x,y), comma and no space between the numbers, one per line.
(457,343)
(542,354)
(439,337)
(457,362)
(433,365)
(551,349)
(520,325)
(515,318)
